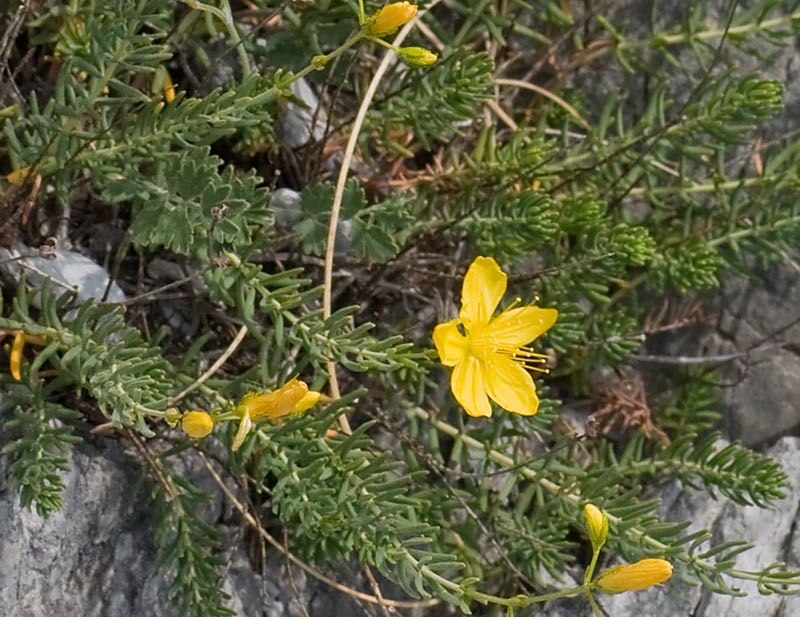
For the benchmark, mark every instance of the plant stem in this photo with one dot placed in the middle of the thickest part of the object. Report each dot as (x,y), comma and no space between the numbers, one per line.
(733,31)
(565,494)
(226,17)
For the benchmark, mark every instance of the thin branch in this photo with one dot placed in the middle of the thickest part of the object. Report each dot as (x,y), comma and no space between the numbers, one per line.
(251,520)
(151,462)
(214,367)
(154,292)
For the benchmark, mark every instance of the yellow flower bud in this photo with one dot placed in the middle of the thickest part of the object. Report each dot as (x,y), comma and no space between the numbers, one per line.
(197,424)
(635,576)
(15,361)
(168,87)
(387,20)
(417,56)
(18,176)
(596,525)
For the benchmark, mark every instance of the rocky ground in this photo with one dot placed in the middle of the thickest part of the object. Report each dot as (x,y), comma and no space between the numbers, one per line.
(96,558)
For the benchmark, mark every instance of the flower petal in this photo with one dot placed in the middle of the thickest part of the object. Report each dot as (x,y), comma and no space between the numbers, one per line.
(484,286)
(241,433)
(511,386)
(450,343)
(520,326)
(468,384)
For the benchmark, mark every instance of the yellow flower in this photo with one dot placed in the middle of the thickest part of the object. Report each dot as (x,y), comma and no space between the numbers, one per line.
(635,576)
(417,56)
(197,424)
(488,353)
(596,525)
(390,18)
(293,398)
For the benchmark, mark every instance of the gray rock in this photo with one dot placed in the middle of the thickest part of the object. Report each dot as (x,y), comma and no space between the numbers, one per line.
(754,316)
(96,557)
(287,206)
(67,270)
(305,121)
(90,558)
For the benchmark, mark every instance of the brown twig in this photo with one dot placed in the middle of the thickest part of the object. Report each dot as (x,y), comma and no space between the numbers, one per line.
(151,462)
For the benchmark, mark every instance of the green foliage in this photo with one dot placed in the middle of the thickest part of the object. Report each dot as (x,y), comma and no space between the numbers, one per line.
(601,217)
(375,232)
(513,223)
(433,104)
(93,350)
(190,548)
(190,208)
(39,447)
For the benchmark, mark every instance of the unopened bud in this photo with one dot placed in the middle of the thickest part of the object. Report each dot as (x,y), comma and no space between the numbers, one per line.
(389,19)
(417,56)
(634,577)
(197,424)
(596,525)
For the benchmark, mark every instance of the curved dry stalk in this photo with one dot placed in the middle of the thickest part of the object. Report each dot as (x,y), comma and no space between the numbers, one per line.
(518,83)
(339,193)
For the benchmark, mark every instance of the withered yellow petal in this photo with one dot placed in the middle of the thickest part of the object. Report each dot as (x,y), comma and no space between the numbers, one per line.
(520,326)
(245,426)
(468,384)
(18,176)
(309,399)
(511,386)
(450,343)
(273,405)
(484,286)
(15,361)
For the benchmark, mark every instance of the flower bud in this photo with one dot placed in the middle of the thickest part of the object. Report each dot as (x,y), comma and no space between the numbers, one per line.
(197,424)
(390,18)
(417,56)
(596,525)
(633,577)
(172,416)
(168,88)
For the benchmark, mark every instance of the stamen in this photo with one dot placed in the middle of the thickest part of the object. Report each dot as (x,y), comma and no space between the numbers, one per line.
(514,303)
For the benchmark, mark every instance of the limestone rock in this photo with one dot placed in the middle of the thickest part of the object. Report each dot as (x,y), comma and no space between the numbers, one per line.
(66,269)
(95,557)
